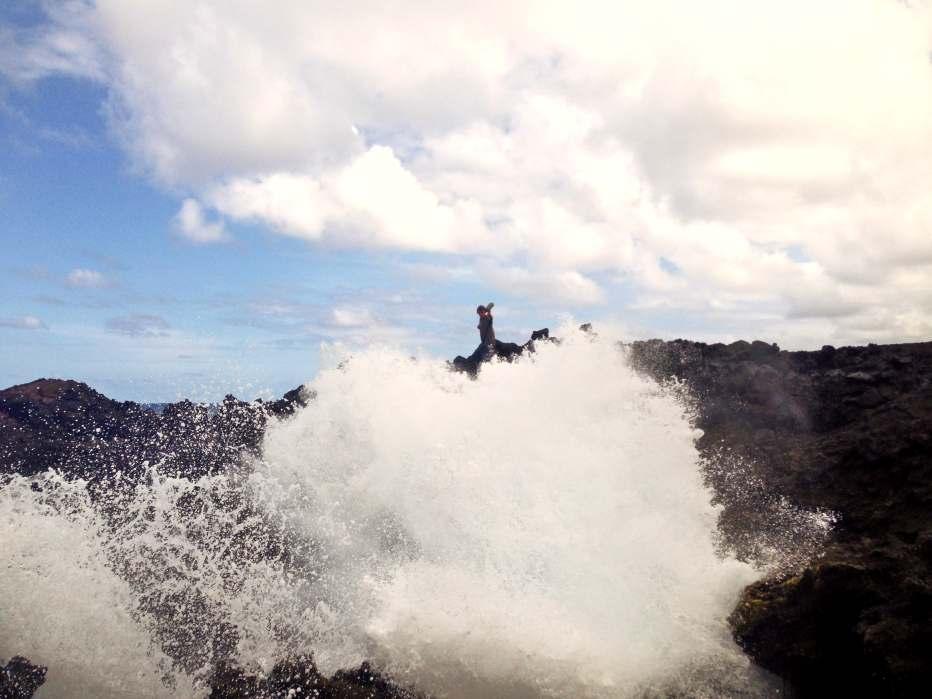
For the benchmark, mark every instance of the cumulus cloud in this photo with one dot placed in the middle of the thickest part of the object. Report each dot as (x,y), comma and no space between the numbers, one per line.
(65,45)
(345,317)
(191,224)
(712,155)
(23,323)
(139,325)
(372,201)
(566,286)
(358,325)
(86,279)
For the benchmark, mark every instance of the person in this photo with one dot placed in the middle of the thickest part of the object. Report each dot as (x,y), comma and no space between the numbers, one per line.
(486,331)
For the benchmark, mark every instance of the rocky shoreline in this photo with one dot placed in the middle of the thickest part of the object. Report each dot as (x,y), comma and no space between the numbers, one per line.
(847,432)
(68,426)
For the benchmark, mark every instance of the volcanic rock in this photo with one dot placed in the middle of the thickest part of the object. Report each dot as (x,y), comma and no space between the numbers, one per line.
(508,351)
(19,679)
(67,425)
(845,430)
(296,678)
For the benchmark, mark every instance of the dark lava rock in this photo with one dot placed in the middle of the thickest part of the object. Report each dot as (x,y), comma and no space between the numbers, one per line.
(298,677)
(847,430)
(19,679)
(67,425)
(290,402)
(508,351)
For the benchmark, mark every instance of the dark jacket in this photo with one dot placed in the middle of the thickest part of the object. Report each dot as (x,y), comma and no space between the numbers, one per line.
(486,331)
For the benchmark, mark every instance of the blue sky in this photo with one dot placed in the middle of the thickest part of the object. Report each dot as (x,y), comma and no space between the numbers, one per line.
(72,201)
(194,199)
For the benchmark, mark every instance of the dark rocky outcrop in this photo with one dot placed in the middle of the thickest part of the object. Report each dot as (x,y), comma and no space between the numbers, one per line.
(508,351)
(298,677)
(19,678)
(67,425)
(847,430)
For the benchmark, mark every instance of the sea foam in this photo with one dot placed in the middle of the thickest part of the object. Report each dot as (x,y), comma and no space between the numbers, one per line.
(541,531)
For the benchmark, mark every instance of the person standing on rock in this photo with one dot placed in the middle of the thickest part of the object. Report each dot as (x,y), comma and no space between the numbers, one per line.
(486,331)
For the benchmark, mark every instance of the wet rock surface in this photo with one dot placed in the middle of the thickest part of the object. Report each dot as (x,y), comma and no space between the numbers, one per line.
(847,430)
(508,351)
(67,425)
(19,678)
(298,677)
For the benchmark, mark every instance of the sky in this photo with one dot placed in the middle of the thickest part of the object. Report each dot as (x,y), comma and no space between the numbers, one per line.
(200,197)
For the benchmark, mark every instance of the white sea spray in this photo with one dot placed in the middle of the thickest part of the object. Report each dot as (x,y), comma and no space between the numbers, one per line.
(541,531)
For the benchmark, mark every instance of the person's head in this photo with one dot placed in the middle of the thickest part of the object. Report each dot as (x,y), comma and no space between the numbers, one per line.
(481,310)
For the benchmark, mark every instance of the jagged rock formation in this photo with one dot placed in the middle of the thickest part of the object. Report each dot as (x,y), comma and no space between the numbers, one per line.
(842,430)
(298,678)
(848,430)
(506,350)
(19,678)
(67,425)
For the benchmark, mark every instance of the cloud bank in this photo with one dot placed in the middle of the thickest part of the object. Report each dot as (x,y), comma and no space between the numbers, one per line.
(191,224)
(717,158)
(23,323)
(139,325)
(86,279)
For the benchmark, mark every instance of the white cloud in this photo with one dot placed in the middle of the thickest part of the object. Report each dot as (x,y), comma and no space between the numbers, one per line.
(290,203)
(567,286)
(191,224)
(382,196)
(66,45)
(23,323)
(86,279)
(344,317)
(358,325)
(273,309)
(139,325)
(372,201)
(440,273)
(715,155)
